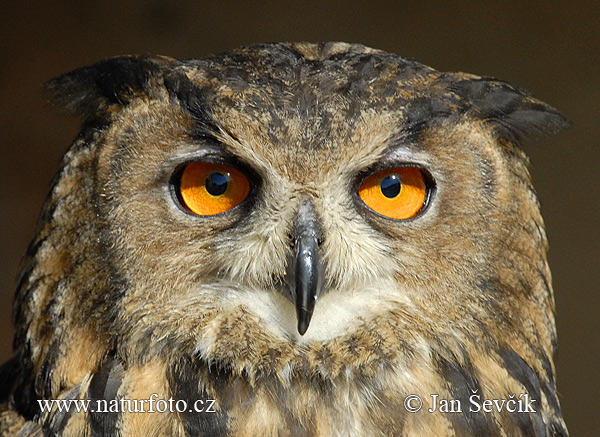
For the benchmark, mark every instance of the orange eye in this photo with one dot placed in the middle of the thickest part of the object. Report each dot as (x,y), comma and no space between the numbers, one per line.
(397,193)
(207,188)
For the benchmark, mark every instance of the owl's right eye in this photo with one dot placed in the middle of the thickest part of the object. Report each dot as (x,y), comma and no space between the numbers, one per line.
(208,188)
(399,193)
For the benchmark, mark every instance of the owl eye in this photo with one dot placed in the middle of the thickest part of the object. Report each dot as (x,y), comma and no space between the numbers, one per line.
(207,188)
(399,193)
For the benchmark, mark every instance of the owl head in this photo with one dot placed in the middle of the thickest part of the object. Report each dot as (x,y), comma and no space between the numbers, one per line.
(285,213)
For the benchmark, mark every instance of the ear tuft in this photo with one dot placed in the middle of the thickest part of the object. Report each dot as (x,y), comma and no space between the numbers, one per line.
(515,114)
(93,89)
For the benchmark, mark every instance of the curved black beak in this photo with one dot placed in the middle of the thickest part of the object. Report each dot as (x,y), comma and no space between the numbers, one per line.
(304,275)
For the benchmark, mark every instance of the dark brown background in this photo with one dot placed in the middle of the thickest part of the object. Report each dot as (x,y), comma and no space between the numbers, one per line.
(550,50)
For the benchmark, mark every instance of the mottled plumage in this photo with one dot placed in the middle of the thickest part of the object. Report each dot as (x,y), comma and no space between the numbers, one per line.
(125,293)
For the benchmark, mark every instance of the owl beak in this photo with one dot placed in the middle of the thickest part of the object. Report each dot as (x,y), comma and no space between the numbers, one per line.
(304,277)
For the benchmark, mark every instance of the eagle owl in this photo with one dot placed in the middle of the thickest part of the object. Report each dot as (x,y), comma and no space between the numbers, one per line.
(288,240)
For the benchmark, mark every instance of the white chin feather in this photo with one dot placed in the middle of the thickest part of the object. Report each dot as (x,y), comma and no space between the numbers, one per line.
(336,313)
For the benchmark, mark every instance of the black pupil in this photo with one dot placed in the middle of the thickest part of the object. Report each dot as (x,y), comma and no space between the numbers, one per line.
(390,186)
(216,184)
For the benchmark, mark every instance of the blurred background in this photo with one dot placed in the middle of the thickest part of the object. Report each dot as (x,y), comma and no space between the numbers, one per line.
(550,48)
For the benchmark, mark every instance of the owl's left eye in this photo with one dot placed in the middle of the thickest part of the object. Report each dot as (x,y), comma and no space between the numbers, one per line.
(399,193)
(208,188)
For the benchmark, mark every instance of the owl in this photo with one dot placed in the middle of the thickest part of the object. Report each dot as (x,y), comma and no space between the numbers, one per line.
(288,240)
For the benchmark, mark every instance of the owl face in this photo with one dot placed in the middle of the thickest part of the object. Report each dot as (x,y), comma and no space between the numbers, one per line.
(314,136)
(286,211)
